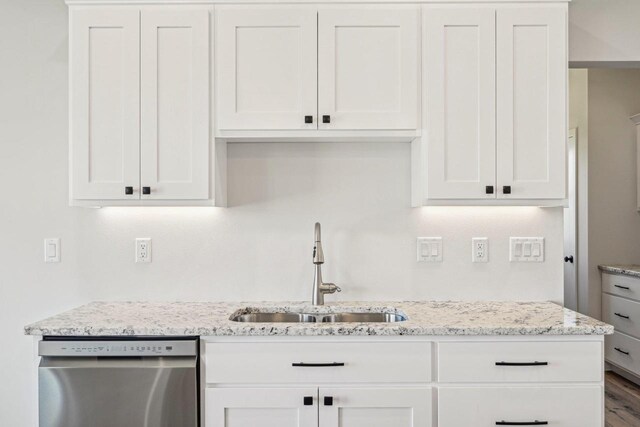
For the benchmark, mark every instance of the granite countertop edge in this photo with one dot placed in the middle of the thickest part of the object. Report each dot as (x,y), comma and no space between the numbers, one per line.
(631,270)
(425,318)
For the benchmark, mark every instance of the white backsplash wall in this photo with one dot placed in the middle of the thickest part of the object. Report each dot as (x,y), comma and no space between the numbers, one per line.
(257,249)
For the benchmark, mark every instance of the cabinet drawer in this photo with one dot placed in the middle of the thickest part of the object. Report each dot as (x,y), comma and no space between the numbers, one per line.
(559,406)
(519,362)
(622,313)
(623,351)
(624,286)
(317,363)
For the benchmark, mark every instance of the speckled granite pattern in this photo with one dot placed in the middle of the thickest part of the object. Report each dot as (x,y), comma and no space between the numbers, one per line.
(626,270)
(424,318)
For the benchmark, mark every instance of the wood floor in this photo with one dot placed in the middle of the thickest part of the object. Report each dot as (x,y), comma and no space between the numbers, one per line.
(622,402)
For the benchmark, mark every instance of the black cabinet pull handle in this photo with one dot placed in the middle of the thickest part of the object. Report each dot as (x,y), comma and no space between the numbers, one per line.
(326,119)
(308,401)
(621,315)
(622,287)
(308,119)
(128,191)
(526,423)
(316,365)
(621,351)
(522,363)
(569,259)
(328,401)
(488,189)
(506,189)
(146,190)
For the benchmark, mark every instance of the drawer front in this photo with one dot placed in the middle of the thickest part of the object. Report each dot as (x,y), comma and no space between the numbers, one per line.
(318,363)
(504,362)
(558,406)
(622,313)
(624,351)
(624,286)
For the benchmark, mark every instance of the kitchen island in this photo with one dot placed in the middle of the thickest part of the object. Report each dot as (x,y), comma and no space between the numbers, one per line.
(449,364)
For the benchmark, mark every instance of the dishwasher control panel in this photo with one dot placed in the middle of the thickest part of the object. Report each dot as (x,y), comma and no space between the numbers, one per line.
(137,348)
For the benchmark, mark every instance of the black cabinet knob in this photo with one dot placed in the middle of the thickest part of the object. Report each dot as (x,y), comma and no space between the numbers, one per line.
(326,119)
(308,400)
(308,119)
(489,189)
(569,259)
(146,190)
(328,401)
(128,191)
(506,189)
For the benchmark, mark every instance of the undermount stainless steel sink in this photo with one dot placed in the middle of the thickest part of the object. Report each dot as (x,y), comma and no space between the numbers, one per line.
(319,318)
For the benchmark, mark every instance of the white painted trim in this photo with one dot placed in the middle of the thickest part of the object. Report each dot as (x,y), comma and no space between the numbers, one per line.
(188,2)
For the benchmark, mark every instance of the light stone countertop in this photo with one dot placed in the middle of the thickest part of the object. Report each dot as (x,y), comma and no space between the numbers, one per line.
(622,269)
(426,318)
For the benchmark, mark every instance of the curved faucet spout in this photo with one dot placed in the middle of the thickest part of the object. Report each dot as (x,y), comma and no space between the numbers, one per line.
(318,254)
(319,287)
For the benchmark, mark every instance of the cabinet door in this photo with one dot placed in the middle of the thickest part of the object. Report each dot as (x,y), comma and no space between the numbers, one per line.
(459,94)
(531,102)
(175,104)
(368,67)
(104,102)
(361,407)
(266,67)
(264,407)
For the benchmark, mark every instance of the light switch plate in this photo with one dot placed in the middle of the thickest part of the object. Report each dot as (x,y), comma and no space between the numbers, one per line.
(429,249)
(52,249)
(526,249)
(480,249)
(143,250)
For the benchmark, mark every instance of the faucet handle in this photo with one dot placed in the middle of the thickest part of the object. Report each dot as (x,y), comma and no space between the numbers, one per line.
(330,288)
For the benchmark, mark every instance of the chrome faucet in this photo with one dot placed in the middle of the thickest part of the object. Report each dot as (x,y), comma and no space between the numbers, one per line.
(320,288)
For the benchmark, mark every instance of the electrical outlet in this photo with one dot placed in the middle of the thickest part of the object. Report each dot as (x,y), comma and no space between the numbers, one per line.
(480,249)
(52,249)
(429,249)
(526,249)
(143,250)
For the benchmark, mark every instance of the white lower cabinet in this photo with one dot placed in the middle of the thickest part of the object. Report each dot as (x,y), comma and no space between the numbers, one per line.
(511,406)
(353,382)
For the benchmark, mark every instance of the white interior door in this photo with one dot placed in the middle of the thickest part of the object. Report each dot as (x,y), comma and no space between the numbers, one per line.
(532,102)
(175,104)
(264,407)
(266,67)
(368,68)
(362,407)
(459,99)
(570,226)
(104,95)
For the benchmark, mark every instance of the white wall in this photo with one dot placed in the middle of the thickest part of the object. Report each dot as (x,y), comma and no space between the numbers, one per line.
(614,223)
(258,249)
(604,31)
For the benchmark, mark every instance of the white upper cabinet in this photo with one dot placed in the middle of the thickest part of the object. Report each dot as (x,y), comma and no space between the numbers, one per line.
(368,68)
(266,69)
(104,94)
(532,106)
(460,84)
(495,106)
(175,131)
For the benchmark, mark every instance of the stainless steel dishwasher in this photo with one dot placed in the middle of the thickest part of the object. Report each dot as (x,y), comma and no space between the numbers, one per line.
(119,382)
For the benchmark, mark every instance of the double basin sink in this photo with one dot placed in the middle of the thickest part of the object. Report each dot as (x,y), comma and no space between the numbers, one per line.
(319,318)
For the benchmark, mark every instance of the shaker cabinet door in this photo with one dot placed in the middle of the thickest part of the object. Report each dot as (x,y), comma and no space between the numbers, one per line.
(175,131)
(459,100)
(266,68)
(368,68)
(104,101)
(531,103)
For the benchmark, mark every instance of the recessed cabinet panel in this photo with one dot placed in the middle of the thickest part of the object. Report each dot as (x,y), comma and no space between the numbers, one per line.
(371,407)
(531,102)
(104,62)
(175,104)
(368,67)
(266,407)
(460,81)
(266,68)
